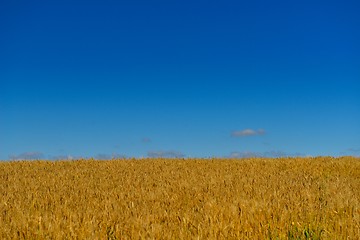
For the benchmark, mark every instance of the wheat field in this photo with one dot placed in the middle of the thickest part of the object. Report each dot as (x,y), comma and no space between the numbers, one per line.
(284,198)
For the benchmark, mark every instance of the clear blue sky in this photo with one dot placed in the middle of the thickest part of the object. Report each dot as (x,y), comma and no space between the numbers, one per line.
(179,78)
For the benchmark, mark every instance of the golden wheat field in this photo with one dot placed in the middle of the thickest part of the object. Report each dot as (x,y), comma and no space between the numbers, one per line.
(285,198)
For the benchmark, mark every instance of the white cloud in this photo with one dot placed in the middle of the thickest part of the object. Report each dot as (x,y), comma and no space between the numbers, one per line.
(102,156)
(146,140)
(63,157)
(352,151)
(356,150)
(268,154)
(27,156)
(248,132)
(165,154)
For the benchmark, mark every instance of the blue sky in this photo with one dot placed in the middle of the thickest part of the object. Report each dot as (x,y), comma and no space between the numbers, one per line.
(179,78)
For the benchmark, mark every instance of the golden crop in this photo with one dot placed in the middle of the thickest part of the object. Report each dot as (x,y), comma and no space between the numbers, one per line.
(288,198)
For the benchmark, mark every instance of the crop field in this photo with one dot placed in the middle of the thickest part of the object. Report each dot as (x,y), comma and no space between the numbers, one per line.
(284,198)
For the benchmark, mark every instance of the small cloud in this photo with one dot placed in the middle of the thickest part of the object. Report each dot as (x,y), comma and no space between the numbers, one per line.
(247,133)
(165,154)
(355,150)
(63,157)
(102,156)
(146,140)
(27,156)
(267,154)
(242,154)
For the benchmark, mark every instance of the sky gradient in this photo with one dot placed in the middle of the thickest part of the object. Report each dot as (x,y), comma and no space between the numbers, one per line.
(179,78)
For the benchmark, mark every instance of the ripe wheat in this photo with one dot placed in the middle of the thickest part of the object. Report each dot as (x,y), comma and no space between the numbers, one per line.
(287,198)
